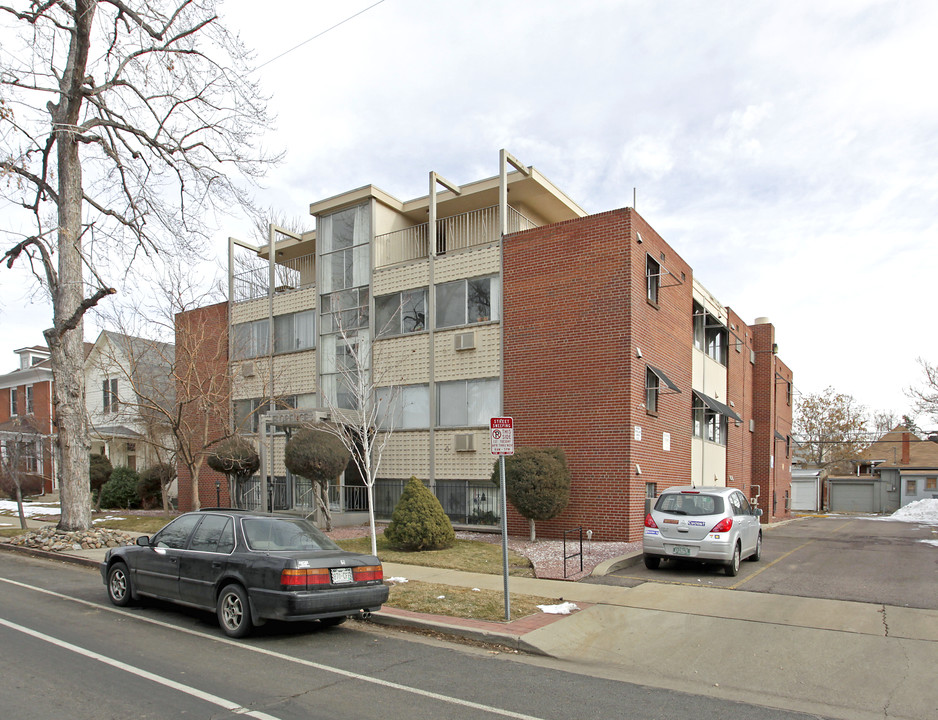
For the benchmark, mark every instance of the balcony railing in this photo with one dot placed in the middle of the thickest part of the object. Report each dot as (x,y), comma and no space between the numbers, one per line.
(253,282)
(458,232)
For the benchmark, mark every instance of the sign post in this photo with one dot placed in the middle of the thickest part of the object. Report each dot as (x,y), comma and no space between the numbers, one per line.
(503,443)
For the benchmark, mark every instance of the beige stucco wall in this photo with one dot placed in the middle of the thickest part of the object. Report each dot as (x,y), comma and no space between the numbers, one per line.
(708,463)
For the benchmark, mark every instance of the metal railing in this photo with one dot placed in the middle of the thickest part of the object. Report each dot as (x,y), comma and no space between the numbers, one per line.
(465,502)
(348,498)
(572,555)
(292,274)
(458,232)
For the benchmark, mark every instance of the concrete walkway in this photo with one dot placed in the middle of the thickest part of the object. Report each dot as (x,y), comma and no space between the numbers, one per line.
(834,658)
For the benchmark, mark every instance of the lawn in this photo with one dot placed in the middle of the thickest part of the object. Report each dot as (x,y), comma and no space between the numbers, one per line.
(452,601)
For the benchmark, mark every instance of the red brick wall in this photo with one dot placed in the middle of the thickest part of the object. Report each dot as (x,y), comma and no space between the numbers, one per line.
(42,413)
(202,373)
(574,315)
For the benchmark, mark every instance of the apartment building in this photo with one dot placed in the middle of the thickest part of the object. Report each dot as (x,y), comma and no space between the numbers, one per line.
(26,415)
(502,297)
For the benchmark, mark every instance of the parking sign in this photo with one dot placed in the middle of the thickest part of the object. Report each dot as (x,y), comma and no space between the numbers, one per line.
(503,436)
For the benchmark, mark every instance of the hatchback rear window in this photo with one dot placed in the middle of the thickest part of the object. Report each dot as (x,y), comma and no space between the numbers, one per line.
(689,504)
(284,534)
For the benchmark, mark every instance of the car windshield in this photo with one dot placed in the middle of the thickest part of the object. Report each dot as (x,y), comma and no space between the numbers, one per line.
(284,534)
(689,504)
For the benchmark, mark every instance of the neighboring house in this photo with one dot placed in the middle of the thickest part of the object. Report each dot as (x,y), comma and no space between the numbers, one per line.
(911,473)
(126,378)
(589,330)
(26,405)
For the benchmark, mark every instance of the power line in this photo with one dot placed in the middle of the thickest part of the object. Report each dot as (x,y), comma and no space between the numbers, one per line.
(319,35)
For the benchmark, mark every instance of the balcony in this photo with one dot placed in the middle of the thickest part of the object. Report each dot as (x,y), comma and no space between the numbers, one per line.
(458,232)
(252,280)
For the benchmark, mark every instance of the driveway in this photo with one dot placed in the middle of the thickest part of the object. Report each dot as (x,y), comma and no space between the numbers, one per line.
(859,558)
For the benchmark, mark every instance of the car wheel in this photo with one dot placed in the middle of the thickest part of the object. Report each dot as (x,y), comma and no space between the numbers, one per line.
(652,562)
(234,611)
(732,569)
(757,554)
(333,621)
(118,584)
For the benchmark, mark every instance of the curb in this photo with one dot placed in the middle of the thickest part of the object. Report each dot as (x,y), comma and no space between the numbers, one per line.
(47,555)
(610,566)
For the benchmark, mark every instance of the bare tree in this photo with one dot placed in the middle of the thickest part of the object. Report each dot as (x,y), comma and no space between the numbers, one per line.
(20,458)
(831,428)
(124,125)
(924,396)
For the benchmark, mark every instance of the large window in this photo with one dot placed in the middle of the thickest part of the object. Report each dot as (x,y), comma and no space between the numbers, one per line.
(404,408)
(109,398)
(401,313)
(463,302)
(652,389)
(251,339)
(708,424)
(345,238)
(710,335)
(247,414)
(295,331)
(467,403)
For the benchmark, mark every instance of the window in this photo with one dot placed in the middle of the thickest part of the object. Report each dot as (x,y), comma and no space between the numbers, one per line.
(651,392)
(788,446)
(710,335)
(109,399)
(651,489)
(708,423)
(911,487)
(404,408)
(176,533)
(251,339)
(652,278)
(12,401)
(295,331)
(247,414)
(29,400)
(463,302)
(467,403)
(215,534)
(700,322)
(931,483)
(345,311)
(788,392)
(401,313)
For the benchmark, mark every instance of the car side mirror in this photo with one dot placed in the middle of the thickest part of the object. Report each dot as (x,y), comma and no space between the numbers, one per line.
(143,541)
(757,512)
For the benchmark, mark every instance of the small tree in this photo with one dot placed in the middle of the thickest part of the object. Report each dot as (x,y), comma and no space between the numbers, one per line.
(99,473)
(18,452)
(418,522)
(121,490)
(237,459)
(320,456)
(537,483)
(153,487)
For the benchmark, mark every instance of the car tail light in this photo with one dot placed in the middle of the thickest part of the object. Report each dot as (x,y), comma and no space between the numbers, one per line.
(367,573)
(294,579)
(650,521)
(725,525)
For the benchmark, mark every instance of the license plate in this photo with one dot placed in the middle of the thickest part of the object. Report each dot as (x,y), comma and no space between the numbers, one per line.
(680,550)
(341,575)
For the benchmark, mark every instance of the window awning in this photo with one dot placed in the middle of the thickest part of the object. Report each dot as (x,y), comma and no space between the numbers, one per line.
(779,436)
(717,406)
(664,378)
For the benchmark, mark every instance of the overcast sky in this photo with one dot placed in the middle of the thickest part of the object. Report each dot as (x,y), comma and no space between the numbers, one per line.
(786,150)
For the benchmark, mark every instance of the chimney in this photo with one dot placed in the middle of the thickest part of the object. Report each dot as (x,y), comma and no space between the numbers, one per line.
(905,449)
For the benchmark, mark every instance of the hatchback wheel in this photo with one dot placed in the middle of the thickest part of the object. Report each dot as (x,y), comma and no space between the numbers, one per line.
(234,611)
(757,555)
(732,569)
(118,584)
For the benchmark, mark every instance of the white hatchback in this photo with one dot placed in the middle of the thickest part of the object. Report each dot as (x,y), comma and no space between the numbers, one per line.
(705,524)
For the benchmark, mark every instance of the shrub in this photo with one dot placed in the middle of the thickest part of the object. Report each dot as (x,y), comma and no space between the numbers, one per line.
(234,456)
(151,484)
(30,484)
(121,490)
(418,522)
(537,482)
(316,454)
(99,473)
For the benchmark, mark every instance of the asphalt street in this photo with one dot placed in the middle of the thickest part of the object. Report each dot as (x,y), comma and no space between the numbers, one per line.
(68,653)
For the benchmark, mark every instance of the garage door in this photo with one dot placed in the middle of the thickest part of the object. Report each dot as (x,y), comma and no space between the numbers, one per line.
(804,495)
(851,497)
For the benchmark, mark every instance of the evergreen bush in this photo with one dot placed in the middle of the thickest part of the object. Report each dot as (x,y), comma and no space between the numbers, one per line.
(99,473)
(121,490)
(538,482)
(418,522)
(152,482)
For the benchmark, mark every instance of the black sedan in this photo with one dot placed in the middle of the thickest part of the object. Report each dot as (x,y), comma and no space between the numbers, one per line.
(246,567)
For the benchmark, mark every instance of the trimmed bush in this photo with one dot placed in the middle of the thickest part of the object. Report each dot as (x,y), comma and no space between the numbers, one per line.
(418,522)
(152,482)
(538,482)
(99,473)
(316,454)
(234,456)
(121,490)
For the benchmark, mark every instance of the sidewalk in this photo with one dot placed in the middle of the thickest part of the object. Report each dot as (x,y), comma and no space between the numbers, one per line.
(839,659)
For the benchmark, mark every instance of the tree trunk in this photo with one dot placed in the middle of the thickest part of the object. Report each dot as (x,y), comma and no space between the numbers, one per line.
(531,524)
(371,519)
(324,504)
(66,338)
(19,506)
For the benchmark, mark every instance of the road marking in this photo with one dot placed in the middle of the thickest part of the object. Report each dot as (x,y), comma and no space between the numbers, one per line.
(762,569)
(139,672)
(288,658)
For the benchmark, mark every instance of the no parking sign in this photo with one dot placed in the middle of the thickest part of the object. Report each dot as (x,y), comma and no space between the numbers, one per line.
(503,436)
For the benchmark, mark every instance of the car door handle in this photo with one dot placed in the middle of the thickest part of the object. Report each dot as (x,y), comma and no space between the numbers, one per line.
(216,565)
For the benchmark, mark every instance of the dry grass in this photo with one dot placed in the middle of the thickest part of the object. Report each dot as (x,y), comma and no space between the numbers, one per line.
(462,602)
(147,524)
(12,531)
(467,555)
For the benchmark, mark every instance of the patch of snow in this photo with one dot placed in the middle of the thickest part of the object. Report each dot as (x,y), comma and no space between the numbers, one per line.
(30,509)
(562,609)
(441,597)
(930,542)
(396,580)
(919,511)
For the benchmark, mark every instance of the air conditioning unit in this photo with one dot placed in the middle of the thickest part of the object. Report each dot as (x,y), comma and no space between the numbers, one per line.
(465,341)
(465,442)
(247,369)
